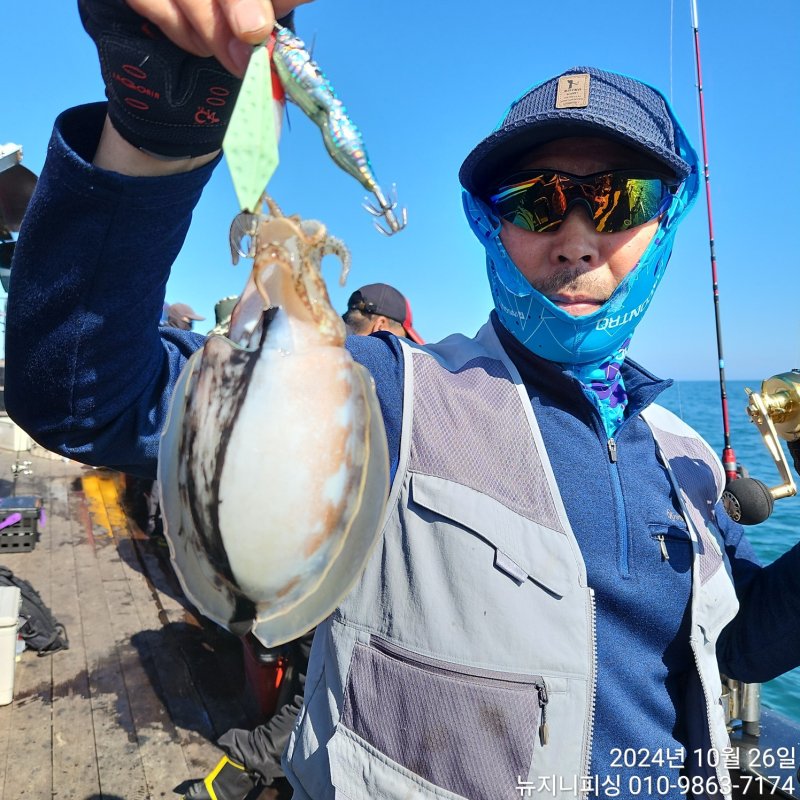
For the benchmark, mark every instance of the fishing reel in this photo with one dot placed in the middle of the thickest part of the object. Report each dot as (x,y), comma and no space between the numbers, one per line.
(775,411)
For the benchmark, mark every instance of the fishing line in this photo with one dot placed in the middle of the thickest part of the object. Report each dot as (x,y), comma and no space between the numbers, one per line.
(671,21)
(680,406)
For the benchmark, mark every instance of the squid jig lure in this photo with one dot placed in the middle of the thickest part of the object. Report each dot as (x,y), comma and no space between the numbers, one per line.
(307,87)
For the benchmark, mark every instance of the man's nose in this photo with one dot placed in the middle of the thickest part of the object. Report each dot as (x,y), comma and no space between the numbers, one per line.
(575,242)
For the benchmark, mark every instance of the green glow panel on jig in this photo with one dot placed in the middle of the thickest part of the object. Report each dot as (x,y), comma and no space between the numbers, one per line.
(251,142)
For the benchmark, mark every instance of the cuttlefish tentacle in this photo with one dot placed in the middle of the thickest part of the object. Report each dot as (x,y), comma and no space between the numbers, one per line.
(336,247)
(277,255)
(305,245)
(273,207)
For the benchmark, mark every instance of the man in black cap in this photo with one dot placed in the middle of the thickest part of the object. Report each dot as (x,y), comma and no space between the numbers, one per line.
(556,585)
(380,307)
(182,316)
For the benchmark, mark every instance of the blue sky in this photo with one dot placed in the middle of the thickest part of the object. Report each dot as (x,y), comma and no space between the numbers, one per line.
(425,81)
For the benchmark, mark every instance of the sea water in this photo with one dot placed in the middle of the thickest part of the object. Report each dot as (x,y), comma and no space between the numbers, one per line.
(698,404)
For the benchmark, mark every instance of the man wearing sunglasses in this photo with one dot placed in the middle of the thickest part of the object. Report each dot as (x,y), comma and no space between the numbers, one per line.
(556,585)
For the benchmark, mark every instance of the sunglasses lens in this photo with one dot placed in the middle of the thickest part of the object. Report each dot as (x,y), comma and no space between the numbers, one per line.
(616,201)
(532,204)
(627,202)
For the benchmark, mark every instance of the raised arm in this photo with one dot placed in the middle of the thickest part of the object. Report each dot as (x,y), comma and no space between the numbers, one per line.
(89,373)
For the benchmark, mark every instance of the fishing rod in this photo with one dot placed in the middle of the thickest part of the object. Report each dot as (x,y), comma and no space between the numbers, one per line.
(728,456)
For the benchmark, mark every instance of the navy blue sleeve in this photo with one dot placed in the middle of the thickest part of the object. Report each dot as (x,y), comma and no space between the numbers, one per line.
(89,373)
(763,640)
(382,355)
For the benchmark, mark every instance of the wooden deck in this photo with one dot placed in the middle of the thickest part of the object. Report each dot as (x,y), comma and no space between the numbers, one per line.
(131,710)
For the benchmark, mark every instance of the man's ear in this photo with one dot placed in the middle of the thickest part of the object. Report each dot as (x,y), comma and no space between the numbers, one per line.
(381,323)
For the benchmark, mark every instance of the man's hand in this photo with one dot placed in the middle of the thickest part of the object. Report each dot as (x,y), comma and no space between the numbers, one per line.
(172,70)
(225,29)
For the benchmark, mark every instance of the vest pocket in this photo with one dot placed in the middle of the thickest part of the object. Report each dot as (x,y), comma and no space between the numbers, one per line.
(468,731)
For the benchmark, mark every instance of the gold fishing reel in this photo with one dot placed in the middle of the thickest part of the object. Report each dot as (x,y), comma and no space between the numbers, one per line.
(775,411)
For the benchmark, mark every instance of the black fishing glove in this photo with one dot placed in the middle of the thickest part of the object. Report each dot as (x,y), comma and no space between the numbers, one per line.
(161,99)
(228,781)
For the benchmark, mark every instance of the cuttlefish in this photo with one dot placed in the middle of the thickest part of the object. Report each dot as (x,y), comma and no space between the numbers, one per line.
(273,464)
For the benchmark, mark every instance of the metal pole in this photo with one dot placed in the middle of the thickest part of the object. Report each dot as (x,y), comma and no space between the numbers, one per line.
(728,456)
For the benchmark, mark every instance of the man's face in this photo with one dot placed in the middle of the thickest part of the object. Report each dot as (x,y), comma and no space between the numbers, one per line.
(576,267)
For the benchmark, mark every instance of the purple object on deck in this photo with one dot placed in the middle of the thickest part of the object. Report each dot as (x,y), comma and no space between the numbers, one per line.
(10,520)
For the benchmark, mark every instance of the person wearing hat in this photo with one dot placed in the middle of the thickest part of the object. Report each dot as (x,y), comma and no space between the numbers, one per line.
(380,307)
(182,316)
(557,583)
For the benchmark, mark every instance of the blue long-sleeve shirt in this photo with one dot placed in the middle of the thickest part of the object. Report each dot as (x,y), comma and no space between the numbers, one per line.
(89,374)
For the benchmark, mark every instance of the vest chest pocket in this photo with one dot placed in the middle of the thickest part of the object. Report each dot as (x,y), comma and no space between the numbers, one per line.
(523,548)
(470,732)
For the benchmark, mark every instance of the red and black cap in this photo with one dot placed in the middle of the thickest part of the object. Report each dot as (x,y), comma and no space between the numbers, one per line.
(386,301)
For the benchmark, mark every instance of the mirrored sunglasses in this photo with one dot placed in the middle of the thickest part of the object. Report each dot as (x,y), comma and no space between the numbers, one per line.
(616,201)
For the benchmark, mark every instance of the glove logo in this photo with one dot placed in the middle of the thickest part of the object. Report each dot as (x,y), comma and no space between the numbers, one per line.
(136,87)
(205,115)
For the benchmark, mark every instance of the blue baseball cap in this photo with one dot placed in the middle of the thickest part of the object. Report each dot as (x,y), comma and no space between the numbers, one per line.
(583,101)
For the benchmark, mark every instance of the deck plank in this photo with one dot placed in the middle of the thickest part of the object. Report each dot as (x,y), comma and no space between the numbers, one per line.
(141,626)
(75,772)
(178,692)
(120,767)
(29,769)
(159,741)
(226,704)
(207,649)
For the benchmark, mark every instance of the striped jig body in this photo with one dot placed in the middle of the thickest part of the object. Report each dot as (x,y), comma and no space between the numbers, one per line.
(306,86)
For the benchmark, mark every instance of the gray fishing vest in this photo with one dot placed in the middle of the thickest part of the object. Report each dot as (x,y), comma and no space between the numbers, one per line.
(473,618)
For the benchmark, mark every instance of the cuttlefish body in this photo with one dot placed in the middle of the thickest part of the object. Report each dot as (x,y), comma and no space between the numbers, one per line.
(273,464)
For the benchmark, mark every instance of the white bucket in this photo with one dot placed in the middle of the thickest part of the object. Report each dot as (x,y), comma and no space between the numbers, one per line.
(10,600)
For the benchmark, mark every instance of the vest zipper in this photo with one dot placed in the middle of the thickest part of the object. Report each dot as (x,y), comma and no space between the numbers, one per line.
(544,733)
(717,769)
(589,726)
(664,553)
(612,450)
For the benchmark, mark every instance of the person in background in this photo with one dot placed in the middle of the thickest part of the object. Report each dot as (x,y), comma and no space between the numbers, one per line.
(182,316)
(253,757)
(222,315)
(380,307)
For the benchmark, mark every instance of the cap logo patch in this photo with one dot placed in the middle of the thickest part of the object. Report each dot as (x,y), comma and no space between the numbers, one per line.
(573,91)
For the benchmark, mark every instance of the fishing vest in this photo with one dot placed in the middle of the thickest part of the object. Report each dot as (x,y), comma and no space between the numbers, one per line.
(463,662)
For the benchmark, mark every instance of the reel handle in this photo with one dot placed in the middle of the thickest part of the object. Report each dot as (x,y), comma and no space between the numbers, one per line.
(748,501)
(775,411)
